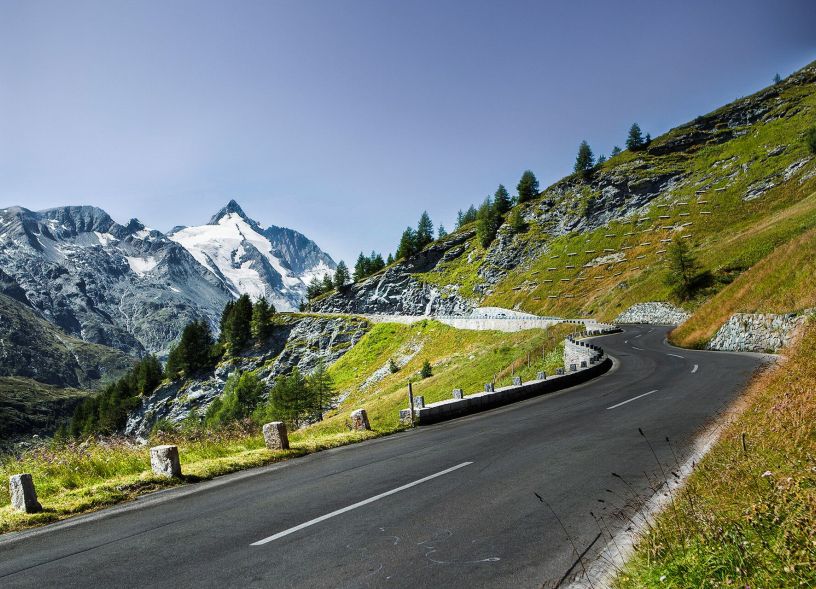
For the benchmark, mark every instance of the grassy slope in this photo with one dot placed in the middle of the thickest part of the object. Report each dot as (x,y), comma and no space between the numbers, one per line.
(77,478)
(27,405)
(746,518)
(734,237)
(782,282)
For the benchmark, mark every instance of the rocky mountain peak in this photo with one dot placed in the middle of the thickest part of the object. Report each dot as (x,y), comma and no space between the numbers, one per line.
(231,208)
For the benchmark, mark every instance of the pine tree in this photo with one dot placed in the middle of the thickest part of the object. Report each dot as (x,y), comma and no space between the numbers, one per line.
(648,140)
(441,232)
(341,275)
(501,200)
(683,269)
(361,268)
(615,151)
(147,375)
(321,391)
(516,220)
(240,324)
(426,371)
(328,284)
(635,139)
(262,313)
(585,160)
(193,353)
(487,223)
(527,187)
(377,263)
(407,244)
(314,288)
(390,259)
(424,232)
(777,78)
(601,160)
(460,219)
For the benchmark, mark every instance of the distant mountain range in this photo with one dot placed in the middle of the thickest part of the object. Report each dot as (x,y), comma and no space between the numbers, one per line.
(134,288)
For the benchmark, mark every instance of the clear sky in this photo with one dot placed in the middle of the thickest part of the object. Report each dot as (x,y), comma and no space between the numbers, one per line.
(344,119)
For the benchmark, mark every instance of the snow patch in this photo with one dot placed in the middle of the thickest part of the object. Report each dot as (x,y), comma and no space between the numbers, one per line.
(141,266)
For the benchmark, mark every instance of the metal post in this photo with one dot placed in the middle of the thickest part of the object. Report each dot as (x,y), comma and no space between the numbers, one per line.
(411,400)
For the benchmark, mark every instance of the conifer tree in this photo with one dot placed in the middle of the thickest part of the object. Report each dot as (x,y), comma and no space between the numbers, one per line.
(239,331)
(601,160)
(441,232)
(585,160)
(487,223)
(615,151)
(527,187)
(262,313)
(407,244)
(390,259)
(460,219)
(470,215)
(635,139)
(501,200)
(424,232)
(361,267)
(328,283)
(341,275)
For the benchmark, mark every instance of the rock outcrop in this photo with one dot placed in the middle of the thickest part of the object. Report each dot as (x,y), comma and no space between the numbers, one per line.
(297,341)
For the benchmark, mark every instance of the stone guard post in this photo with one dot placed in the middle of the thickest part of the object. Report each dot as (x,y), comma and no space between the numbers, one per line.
(23,494)
(276,436)
(164,460)
(359,420)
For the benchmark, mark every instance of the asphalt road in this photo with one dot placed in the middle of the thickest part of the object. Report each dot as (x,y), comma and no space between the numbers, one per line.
(498,499)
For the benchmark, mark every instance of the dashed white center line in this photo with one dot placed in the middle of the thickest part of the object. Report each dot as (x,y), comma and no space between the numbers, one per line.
(322,518)
(637,348)
(693,370)
(676,356)
(632,399)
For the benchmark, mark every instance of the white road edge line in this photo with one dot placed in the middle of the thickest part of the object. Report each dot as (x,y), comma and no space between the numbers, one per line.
(637,348)
(358,504)
(632,399)
(693,370)
(676,356)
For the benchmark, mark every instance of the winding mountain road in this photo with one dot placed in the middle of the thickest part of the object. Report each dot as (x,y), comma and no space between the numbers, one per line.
(497,499)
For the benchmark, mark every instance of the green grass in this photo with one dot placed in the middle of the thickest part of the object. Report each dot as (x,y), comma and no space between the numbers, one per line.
(781,283)
(746,517)
(735,236)
(80,477)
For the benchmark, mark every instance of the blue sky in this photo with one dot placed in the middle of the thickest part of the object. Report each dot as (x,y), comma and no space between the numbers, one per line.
(344,119)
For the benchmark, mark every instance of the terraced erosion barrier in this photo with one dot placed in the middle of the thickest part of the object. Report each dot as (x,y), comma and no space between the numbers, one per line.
(589,362)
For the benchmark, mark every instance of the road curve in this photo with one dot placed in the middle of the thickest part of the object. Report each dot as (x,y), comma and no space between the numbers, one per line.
(498,499)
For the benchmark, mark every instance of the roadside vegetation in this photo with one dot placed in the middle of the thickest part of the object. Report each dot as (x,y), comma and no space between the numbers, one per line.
(95,469)
(746,517)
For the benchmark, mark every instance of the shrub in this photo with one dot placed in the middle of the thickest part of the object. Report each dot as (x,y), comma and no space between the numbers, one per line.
(810,139)
(426,371)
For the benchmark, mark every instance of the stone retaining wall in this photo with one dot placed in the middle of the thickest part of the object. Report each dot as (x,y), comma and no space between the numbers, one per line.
(756,332)
(653,314)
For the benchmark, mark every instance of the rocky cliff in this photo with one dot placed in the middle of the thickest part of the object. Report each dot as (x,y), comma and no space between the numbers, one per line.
(297,341)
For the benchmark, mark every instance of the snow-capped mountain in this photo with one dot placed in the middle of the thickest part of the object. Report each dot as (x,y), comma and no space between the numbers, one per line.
(275,263)
(135,288)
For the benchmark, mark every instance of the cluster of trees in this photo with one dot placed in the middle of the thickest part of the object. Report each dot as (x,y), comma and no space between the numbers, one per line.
(317,287)
(368,265)
(107,412)
(295,399)
(585,161)
(413,241)
(493,211)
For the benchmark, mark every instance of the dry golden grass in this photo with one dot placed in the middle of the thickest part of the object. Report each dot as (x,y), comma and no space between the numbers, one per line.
(781,283)
(747,515)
